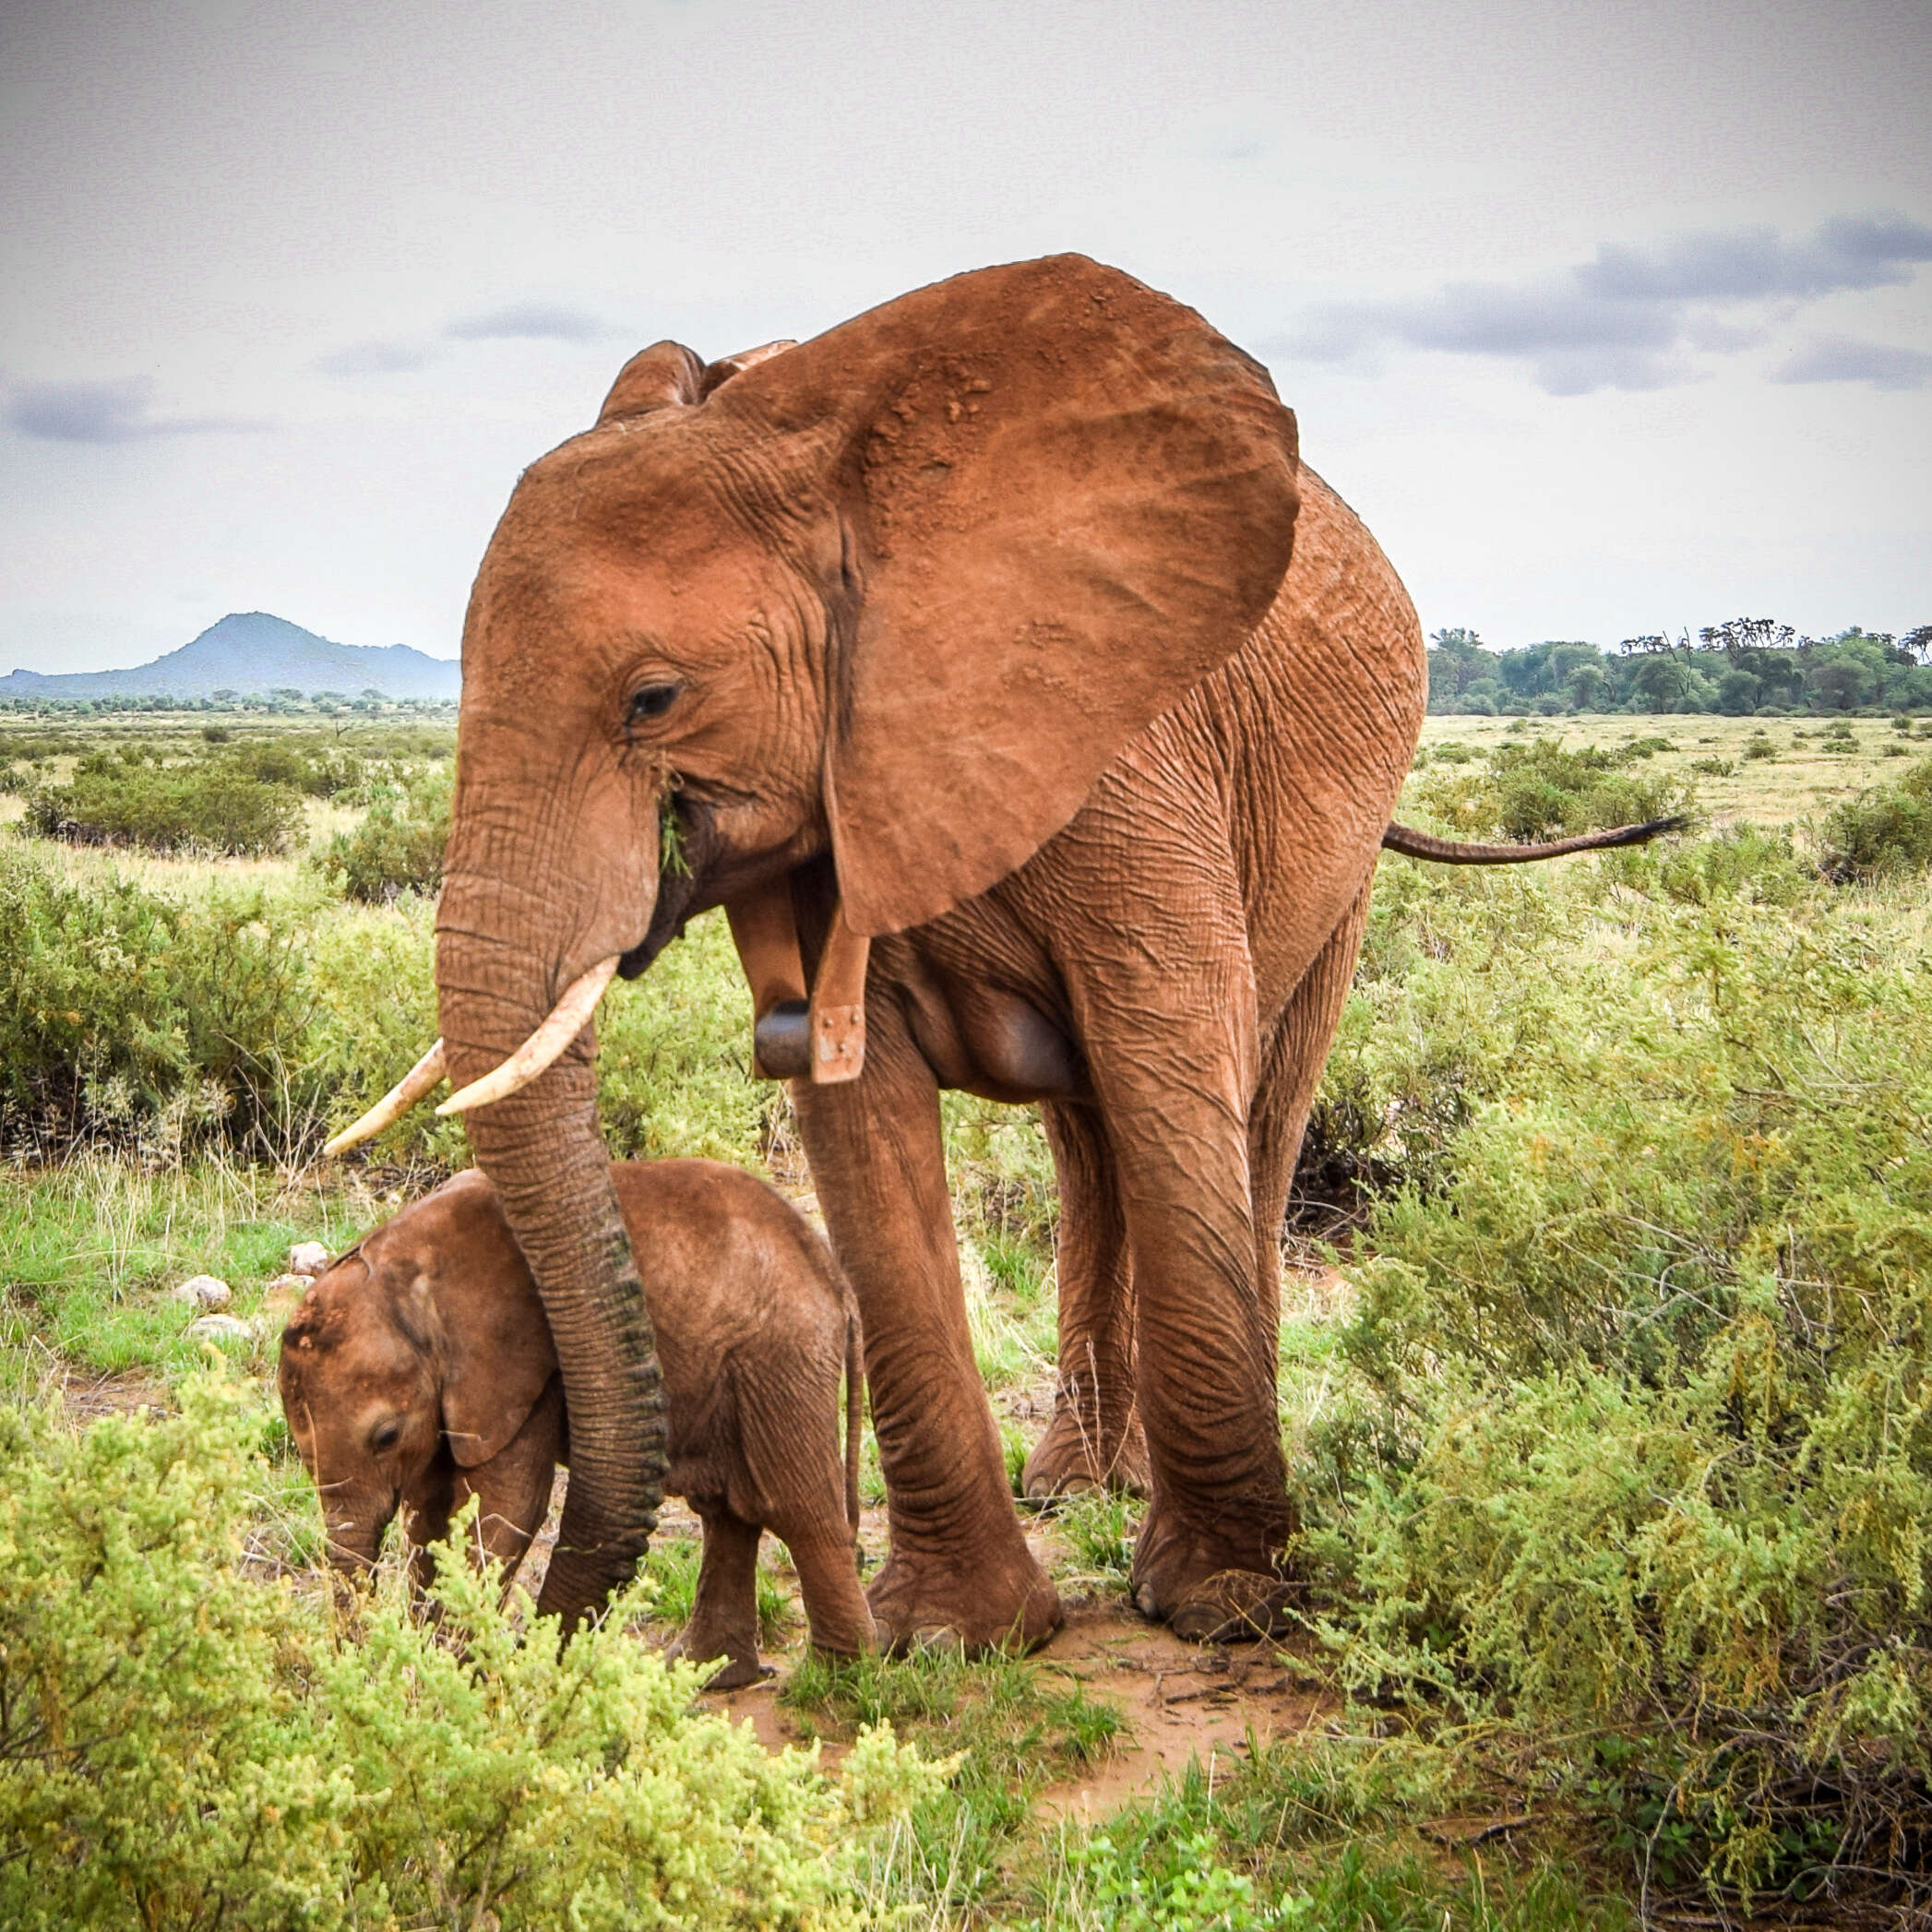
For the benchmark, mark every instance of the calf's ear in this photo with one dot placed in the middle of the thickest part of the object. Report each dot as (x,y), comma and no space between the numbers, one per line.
(495,1356)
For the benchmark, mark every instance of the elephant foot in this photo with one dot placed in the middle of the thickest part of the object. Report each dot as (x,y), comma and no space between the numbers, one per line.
(735,1673)
(737,1666)
(1074,1455)
(1209,1589)
(922,1603)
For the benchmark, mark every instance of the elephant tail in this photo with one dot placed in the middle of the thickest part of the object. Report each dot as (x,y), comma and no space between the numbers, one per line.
(1413,844)
(855,1415)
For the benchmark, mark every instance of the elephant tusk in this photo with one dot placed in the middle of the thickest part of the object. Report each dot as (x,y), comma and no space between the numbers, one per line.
(394,1104)
(565,1022)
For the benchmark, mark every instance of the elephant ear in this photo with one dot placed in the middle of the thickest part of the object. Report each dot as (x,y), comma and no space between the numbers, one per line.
(493,1345)
(1065,500)
(665,376)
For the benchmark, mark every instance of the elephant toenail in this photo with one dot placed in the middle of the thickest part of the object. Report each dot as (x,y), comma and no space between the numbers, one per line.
(1148,1603)
(935,1640)
(1196,1623)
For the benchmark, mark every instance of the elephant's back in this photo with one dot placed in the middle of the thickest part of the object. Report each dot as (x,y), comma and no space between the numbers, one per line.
(1312,726)
(1342,643)
(728,1266)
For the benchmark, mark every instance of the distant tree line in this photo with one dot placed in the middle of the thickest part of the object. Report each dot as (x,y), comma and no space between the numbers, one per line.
(1742,668)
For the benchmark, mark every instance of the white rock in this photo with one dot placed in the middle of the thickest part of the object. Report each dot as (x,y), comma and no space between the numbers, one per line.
(308,1257)
(220,1327)
(290,1284)
(204,1291)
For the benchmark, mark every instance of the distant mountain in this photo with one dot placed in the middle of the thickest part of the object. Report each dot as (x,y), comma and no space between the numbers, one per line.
(251,654)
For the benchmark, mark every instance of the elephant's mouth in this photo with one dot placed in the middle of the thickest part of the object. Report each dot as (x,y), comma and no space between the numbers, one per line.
(691,833)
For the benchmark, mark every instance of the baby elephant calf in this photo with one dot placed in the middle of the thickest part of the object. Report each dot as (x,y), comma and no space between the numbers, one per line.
(419,1371)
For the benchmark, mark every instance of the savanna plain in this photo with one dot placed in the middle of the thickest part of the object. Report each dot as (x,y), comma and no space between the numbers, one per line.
(1606,1393)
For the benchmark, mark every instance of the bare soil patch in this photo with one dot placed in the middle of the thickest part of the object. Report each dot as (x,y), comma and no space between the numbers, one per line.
(86,1397)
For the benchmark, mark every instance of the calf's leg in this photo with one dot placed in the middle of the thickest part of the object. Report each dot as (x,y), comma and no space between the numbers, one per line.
(724,1619)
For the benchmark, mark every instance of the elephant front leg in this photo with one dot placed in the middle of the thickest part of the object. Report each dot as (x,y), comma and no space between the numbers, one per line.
(959,1570)
(512,1489)
(1095,1439)
(724,1615)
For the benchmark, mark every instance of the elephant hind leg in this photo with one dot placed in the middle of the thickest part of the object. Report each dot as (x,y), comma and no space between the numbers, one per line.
(1297,1052)
(1095,1439)
(1294,1054)
(725,1619)
(1209,1315)
(824,1556)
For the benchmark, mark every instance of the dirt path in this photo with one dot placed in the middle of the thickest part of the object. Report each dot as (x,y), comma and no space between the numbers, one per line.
(1181,1701)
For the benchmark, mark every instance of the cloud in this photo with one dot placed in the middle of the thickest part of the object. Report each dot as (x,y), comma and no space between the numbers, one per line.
(532,322)
(1753,265)
(116,411)
(1846,359)
(1625,319)
(379,358)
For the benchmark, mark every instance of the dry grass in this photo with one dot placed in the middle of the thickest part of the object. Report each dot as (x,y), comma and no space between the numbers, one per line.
(1799,781)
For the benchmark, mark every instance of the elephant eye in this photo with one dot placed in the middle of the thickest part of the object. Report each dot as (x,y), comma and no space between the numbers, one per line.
(653,701)
(386,1438)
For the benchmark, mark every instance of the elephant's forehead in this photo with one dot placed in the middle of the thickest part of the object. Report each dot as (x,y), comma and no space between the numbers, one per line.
(674,499)
(667,564)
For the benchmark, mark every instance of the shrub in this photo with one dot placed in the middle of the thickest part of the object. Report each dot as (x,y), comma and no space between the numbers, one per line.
(260,1020)
(322,772)
(1882,832)
(1540,790)
(1743,862)
(216,807)
(126,1013)
(181,1745)
(398,847)
(1641,1446)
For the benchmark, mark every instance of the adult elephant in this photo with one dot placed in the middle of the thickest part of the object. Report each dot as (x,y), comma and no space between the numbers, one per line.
(958,653)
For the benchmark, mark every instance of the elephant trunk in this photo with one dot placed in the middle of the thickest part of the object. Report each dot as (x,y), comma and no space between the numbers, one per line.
(355,1527)
(541,1149)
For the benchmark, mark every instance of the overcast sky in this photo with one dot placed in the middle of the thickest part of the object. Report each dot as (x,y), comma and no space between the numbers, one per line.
(1609,319)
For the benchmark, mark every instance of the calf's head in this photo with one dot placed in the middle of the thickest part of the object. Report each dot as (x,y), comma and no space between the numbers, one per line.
(410,1364)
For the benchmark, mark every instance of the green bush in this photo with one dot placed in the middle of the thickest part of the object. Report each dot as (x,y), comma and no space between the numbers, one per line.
(398,846)
(1883,833)
(1539,791)
(1640,1446)
(262,1020)
(321,771)
(216,806)
(181,1745)
(1742,862)
(128,1014)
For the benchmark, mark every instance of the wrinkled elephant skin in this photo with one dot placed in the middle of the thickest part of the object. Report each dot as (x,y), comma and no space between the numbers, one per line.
(419,1372)
(1002,624)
